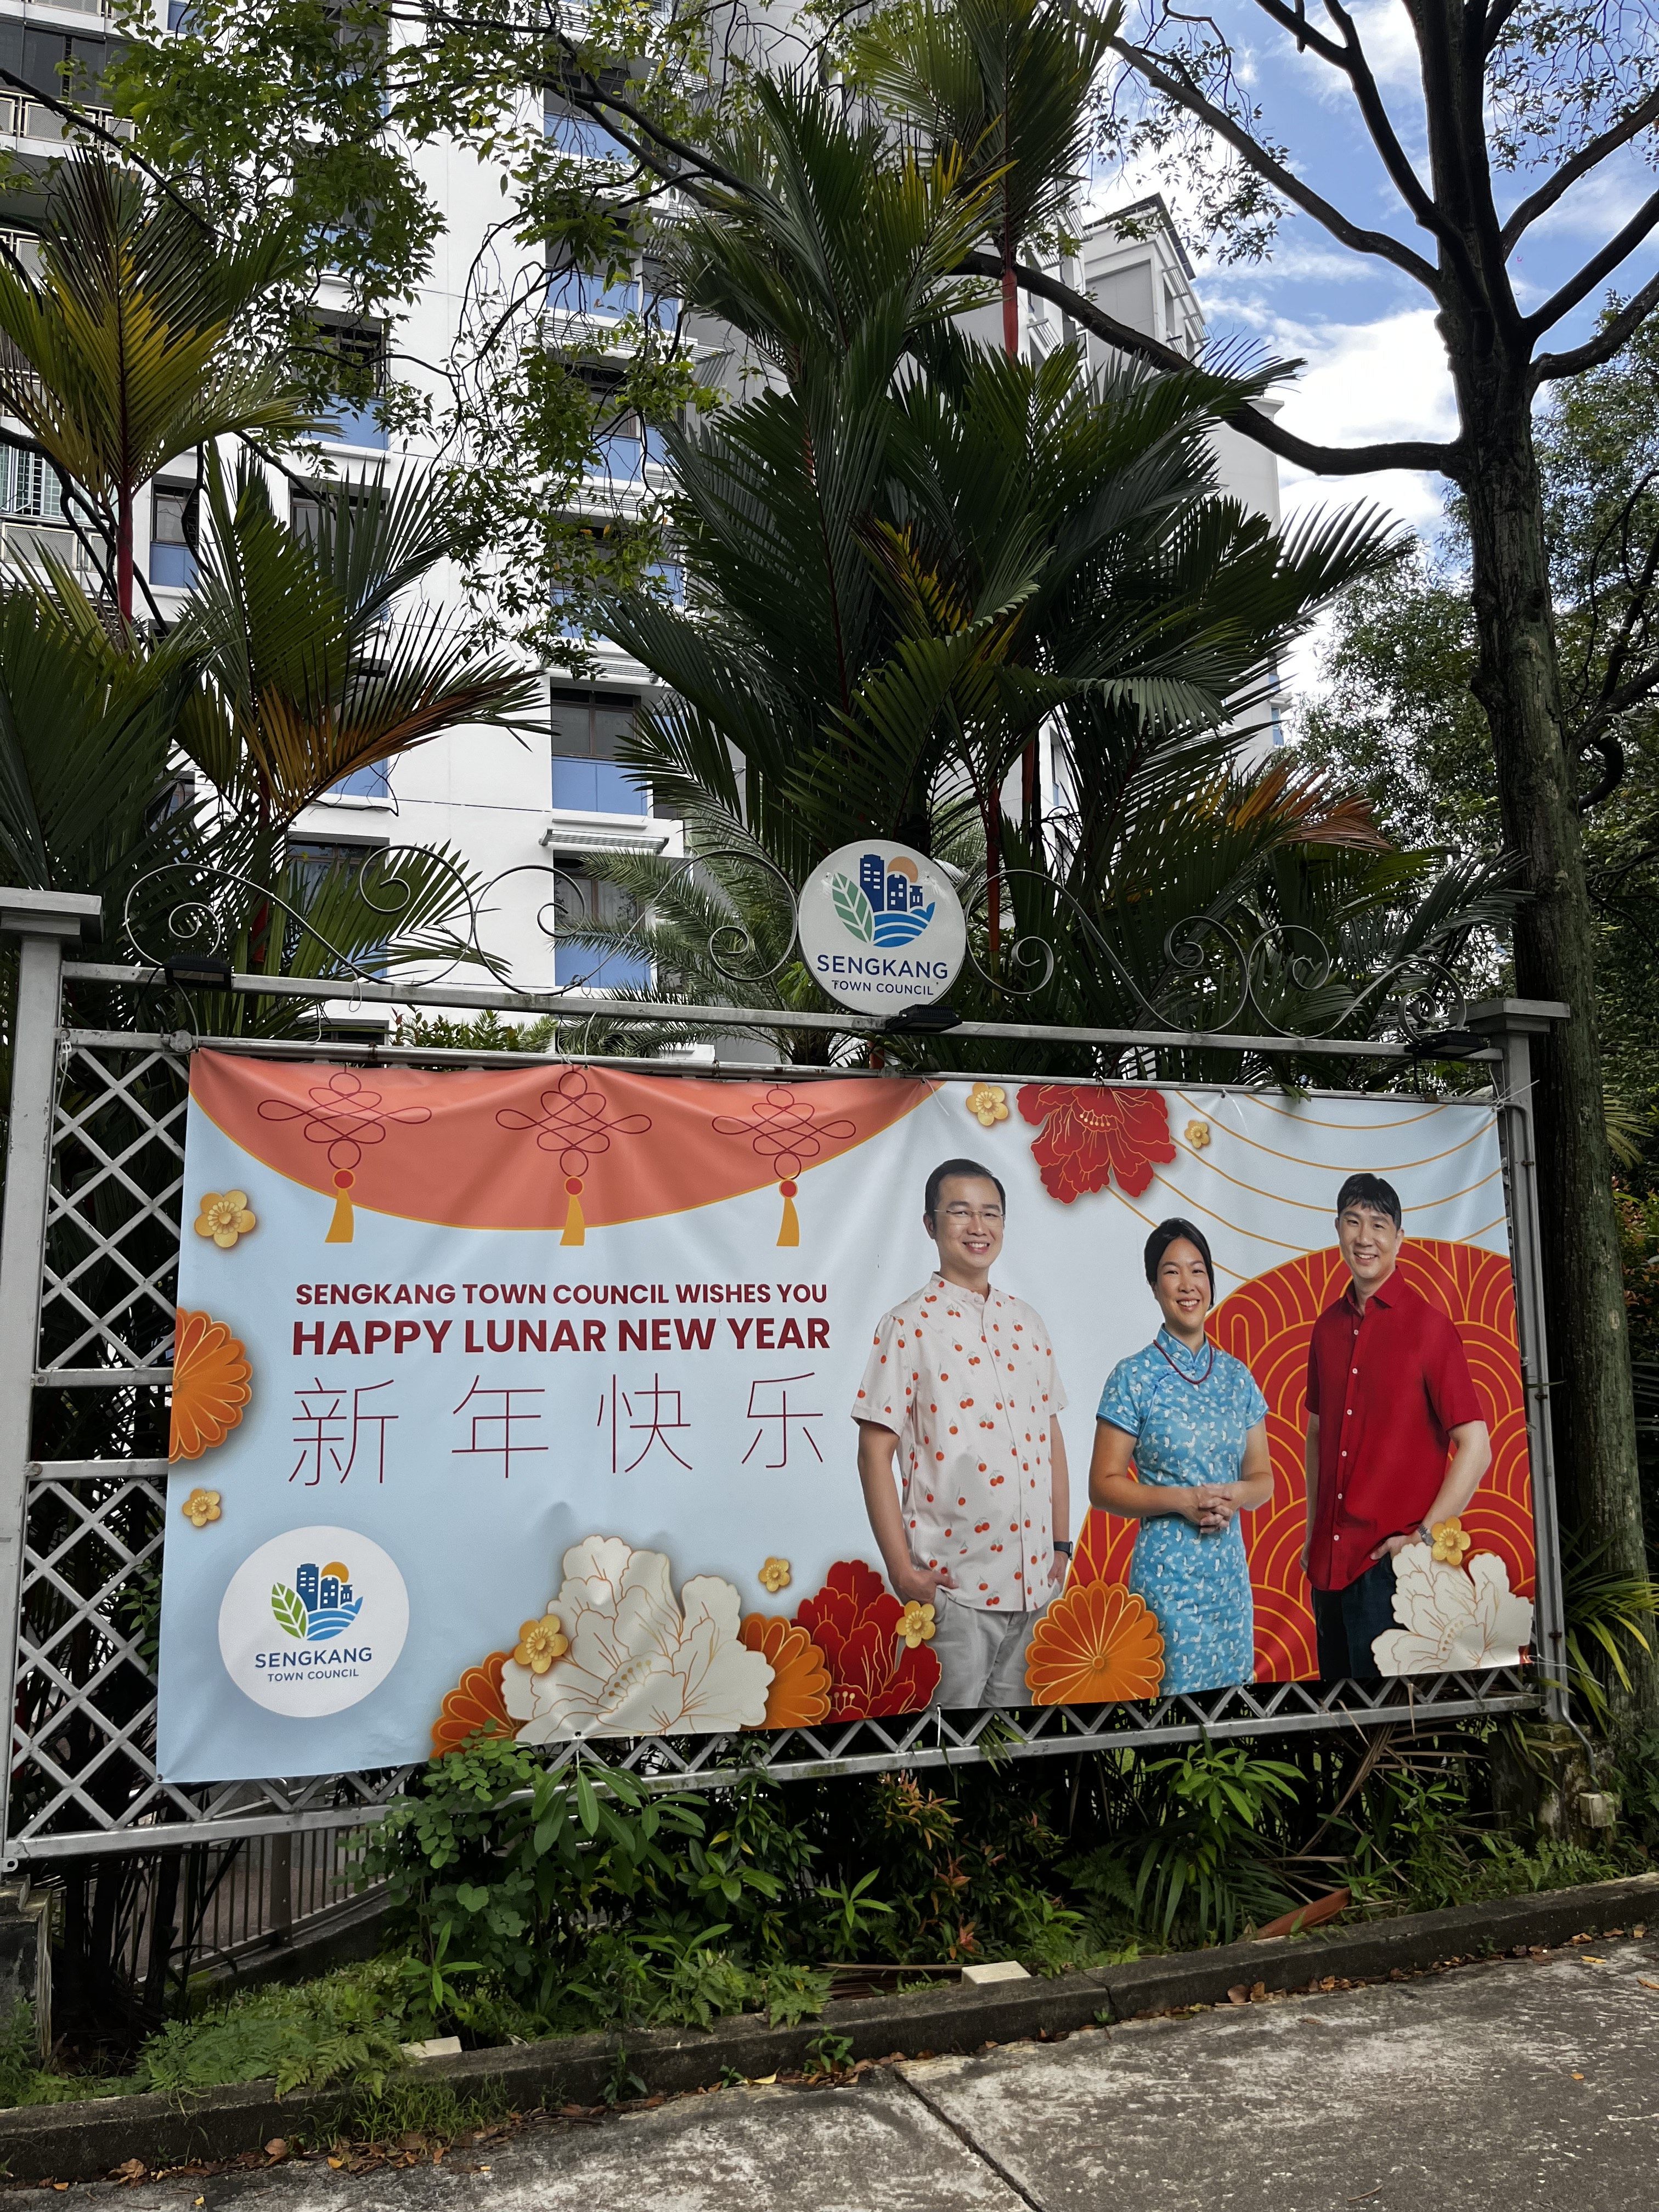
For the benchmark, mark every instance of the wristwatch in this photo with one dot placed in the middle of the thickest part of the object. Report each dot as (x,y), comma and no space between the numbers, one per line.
(1426,1535)
(1063,1544)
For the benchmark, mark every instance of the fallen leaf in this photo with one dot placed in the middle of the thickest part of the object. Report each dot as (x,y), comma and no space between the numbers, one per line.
(277,2148)
(131,2169)
(1646,1984)
(1239,1994)
(761,2080)
(336,2163)
(1590,1962)
(1312,1915)
(1578,2077)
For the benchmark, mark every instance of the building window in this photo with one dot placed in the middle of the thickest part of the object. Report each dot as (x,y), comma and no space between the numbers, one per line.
(311,860)
(588,727)
(30,484)
(574,131)
(173,510)
(360,349)
(584,898)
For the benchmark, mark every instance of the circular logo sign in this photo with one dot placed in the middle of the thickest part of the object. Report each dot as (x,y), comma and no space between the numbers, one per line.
(313,1621)
(881,928)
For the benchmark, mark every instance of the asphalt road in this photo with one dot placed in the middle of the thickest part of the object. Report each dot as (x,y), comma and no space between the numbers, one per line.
(1525,2084)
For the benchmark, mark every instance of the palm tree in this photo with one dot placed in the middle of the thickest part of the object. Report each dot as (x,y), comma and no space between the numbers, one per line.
(311,668)
(122,353)
(910,554)
(1006,86)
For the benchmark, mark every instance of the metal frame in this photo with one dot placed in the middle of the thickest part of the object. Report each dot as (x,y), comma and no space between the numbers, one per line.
(100,1316)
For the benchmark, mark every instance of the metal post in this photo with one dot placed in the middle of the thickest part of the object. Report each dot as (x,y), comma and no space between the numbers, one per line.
(42,921)
(1512,1023)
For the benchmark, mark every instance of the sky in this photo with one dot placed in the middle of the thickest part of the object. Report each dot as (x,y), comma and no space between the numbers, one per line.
(1375,366)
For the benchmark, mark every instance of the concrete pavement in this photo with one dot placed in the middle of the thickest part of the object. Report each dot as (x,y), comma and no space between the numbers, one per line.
(1528,2083)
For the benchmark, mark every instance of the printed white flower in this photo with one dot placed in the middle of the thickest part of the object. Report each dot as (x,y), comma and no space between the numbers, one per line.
(1452,1620)
(640,1662)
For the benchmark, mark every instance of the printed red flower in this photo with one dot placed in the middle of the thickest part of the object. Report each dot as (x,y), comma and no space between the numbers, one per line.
(873,1673)
(1091,1135)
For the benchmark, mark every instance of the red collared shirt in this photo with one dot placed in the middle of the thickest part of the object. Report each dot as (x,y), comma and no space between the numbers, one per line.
(1388,1386)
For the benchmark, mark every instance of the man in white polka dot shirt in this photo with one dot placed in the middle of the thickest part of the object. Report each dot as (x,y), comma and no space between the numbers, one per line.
(961,1392)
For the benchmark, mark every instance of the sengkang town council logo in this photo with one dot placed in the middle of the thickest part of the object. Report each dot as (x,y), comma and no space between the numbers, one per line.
(320,1605)
(313,1621)
(881,928)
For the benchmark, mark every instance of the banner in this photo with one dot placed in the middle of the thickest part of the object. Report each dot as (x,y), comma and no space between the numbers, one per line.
(566,1402)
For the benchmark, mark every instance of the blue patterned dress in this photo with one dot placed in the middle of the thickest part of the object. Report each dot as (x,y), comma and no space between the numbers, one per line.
(1189,1415)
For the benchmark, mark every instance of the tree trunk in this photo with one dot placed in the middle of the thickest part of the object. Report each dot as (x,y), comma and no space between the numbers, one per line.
(1518,684)
(123,554)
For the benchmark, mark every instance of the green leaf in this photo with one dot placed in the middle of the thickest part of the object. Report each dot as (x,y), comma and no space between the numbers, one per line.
(854,908)
(588,1805)
(291,1616)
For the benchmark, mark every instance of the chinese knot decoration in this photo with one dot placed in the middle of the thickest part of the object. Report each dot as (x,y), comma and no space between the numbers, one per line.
(782,1130)
(573,1123)
(345,1116)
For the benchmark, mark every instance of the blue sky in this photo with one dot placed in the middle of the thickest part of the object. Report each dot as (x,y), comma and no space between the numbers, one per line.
(1375,369)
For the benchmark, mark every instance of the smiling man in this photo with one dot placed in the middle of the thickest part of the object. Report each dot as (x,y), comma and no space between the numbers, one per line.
(1395,1437)
(961,1385)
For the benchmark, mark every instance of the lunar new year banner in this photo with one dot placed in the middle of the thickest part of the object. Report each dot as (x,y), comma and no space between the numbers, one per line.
(570,1402)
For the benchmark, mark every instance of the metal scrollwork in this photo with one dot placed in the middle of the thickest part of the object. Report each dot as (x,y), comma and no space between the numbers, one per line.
(1230,974)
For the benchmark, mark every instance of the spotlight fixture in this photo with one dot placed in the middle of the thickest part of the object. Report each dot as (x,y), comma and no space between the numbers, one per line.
(205,971)
(918,1021)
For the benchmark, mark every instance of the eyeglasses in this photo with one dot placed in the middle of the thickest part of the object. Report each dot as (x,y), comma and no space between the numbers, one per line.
(960,1214)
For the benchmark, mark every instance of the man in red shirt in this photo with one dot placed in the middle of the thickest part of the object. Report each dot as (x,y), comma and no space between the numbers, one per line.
(1396,1440)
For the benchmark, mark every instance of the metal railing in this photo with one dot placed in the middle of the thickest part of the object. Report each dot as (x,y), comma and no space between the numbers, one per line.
(89,1248)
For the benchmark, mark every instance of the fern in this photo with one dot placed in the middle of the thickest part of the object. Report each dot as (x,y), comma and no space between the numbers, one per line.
(291,1616)
(854,908)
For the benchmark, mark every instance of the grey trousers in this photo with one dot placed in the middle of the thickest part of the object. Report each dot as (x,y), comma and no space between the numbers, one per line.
(982,1655)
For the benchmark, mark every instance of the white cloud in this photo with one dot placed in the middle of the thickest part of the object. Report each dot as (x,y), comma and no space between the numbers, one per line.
(1365,384)
(1385,32)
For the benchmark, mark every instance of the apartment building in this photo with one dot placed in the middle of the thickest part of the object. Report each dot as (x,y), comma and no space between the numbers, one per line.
(529,815)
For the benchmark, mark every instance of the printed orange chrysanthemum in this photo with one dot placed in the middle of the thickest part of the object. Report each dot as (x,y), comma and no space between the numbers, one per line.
(211,1385)
(800,1695)
(473,1707)
(1097,1644)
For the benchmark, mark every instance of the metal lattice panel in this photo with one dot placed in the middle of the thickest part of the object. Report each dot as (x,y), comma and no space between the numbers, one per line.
(117,1153)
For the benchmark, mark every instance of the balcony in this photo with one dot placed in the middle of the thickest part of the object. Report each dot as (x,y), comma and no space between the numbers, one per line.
(373,781)
(23,540)
(24,118)
(579,966)
(596,786)
(351,425)
(173,566)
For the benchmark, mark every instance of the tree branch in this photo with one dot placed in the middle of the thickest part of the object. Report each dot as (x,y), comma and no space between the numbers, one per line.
(1578,165)
(1607,342)
(1404,177)
(1187,95)
(1247,420)
(1600,265)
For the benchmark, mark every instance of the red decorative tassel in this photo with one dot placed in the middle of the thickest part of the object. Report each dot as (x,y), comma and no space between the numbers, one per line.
(575,1228)
(341,1229)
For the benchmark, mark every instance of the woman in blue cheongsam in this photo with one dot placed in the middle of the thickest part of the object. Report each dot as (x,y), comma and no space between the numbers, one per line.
(1193,1422)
